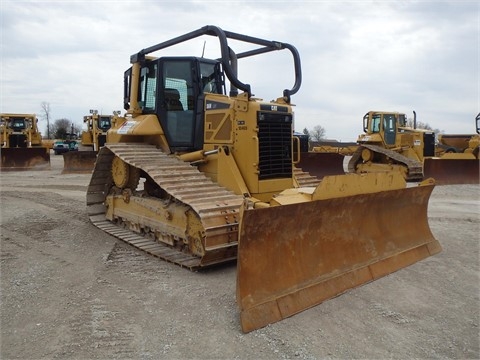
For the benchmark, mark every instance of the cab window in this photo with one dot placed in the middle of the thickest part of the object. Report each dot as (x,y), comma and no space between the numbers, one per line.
(376,123)
(211,83)
(148,84)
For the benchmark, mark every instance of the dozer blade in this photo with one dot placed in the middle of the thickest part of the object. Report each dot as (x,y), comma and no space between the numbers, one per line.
(293,257)
(35,158)
(452,171)
(79,161)
(321,164)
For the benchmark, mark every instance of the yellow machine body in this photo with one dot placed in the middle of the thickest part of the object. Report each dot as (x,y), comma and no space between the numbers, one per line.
(94,137)
(197,177)
(21,143)
(387,144)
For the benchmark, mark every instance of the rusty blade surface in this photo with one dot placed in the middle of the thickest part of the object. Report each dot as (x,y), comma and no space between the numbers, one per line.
(293,257)
(452,171)
(321,164)
(79,161)
(35,158)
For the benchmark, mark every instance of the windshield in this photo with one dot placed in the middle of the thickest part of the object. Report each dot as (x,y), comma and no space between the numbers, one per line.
(104,123)
(376,123)
(209,78)
(18,124)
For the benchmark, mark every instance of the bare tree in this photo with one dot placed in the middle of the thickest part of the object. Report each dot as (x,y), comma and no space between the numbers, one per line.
(422,125)
(317,133)
(61,128)
(46,116)
(306,132)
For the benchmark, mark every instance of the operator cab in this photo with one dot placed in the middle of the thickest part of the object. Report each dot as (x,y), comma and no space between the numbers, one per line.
(383,123)
(173,88)
(18,124)
(104,123)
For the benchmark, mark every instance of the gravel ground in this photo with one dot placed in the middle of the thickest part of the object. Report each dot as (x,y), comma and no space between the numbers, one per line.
(70,291)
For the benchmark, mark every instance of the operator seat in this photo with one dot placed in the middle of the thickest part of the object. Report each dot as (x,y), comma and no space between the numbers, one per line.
(172,100)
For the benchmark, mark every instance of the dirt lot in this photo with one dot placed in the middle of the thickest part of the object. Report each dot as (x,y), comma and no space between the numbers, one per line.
(68,290)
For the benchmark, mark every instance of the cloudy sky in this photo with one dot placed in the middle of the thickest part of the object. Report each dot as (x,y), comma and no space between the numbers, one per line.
(356,55)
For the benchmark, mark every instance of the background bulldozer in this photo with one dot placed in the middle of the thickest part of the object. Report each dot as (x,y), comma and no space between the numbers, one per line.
(388,144)
(22,143)
(97,126)
(199,177)
(457,160)
(93,137)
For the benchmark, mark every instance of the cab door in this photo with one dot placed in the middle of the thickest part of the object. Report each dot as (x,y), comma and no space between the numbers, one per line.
(389,128)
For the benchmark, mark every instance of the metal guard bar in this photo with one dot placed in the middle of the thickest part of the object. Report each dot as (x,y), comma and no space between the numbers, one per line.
(267,46)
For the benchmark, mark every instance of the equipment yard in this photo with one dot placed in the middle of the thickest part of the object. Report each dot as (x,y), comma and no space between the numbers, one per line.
(70,290)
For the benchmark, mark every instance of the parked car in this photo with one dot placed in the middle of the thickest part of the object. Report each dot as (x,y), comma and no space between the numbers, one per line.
(59,147)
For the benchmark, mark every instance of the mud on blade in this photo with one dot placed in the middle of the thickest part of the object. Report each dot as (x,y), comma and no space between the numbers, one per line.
(79,162)
(34,158)
(293,257)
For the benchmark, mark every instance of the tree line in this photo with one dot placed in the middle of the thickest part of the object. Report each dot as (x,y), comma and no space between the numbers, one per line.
(60,128)
(316,134)
(64,128)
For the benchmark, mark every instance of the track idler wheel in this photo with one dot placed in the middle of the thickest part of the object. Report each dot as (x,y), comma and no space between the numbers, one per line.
(367,155)
(124,175)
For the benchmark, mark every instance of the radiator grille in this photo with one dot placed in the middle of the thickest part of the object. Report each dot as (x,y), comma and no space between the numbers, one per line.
(275,145)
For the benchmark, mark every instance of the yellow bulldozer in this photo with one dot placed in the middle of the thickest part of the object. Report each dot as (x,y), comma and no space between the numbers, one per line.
(199,177)
(388,144)
(21,141)
(97,126)
(93,137)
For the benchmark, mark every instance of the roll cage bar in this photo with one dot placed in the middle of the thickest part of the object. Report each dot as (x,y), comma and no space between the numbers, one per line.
(229,58)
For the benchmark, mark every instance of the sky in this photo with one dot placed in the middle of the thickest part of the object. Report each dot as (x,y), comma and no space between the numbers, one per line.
(356,56)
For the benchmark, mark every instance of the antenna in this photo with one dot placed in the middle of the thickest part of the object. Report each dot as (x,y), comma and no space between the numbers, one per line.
(203,51)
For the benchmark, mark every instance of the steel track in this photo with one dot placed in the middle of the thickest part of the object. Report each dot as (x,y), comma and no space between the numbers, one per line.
(415,168)
(212,203)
